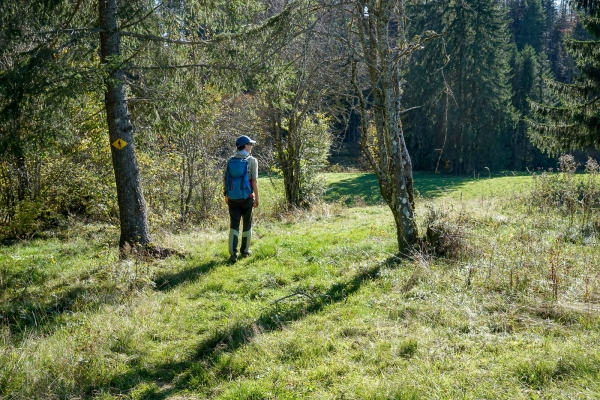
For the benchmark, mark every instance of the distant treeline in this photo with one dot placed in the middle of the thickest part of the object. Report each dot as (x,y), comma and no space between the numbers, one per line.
(467,93)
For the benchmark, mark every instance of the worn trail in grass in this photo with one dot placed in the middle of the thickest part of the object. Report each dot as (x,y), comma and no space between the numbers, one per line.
(321,310)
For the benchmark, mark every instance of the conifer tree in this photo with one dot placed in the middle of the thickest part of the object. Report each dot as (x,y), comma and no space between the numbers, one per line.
(573,123)
(527,23)
(529,72)
(464,119)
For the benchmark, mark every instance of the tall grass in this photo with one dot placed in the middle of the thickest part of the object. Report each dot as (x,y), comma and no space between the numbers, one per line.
(577,197)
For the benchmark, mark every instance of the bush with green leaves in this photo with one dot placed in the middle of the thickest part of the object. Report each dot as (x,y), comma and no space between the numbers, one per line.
(314,152)
(66,180)
(302,158)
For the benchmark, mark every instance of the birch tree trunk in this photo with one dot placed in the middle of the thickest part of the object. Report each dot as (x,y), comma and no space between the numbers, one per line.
(132,206)
(383,50)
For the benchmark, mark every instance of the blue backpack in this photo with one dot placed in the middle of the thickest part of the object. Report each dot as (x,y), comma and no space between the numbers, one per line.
(237,182)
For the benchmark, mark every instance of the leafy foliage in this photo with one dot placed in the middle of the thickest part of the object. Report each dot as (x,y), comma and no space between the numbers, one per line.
(70,176)
(314,143)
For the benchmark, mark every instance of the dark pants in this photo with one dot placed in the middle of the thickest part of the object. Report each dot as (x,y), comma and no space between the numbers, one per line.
(240,210)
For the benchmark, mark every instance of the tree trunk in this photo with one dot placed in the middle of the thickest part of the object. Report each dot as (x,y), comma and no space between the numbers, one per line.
(132,206)
(20,161)
(22,178)
(389,158)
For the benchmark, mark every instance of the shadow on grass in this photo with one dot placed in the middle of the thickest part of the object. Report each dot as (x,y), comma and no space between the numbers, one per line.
(366,187)
(176,376)
(27,312)
(167,282)
(434,185)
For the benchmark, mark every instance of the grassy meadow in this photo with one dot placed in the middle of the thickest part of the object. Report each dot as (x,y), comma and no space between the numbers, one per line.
(323,309)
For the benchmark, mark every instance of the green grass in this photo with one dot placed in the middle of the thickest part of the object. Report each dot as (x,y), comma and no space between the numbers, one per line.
(323,309)
(364,187)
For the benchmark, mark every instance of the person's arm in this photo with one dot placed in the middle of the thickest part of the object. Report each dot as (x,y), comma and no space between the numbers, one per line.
(254,184)
(225,187)
(253,180)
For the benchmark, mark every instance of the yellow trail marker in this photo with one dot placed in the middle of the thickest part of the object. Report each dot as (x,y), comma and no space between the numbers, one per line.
(119,143)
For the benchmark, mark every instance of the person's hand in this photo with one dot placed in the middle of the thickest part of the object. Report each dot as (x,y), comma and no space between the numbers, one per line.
(226,200)
(255,202)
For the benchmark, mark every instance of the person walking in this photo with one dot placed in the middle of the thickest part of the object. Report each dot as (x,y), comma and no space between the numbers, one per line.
(241,195)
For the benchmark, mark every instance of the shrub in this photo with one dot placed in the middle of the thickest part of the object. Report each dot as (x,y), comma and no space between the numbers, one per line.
(445,234)
(302,157)
(25,220)
(60,184)
(574,196)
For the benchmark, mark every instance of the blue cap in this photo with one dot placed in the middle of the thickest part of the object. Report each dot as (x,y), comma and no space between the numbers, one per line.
(244,140)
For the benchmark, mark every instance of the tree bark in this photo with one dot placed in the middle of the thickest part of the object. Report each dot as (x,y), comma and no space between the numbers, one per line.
(23,187)
(22,178)
(389,158)
(132,206)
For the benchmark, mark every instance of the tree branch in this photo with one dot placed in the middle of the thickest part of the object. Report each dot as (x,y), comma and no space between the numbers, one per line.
(143,18)
(164,39)
(183,66)
(75,10)
(70,31)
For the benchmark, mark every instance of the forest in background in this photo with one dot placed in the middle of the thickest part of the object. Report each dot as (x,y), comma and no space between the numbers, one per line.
(474,99)
(197,75)
(470,89)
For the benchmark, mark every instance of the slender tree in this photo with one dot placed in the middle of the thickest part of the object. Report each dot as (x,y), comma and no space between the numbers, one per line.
(299,85)
(382,51)
(529,72)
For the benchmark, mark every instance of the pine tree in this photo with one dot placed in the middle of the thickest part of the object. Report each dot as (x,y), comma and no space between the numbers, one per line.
(573,123)
(527,23)
(469,110)
(529,72)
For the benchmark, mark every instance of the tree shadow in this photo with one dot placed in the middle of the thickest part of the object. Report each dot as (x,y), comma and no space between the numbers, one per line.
(166,282)
(366,187)
(430,185)
(27,312)
(174,375)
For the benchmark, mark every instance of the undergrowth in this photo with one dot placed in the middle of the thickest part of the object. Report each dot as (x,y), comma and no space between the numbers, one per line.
(575,196)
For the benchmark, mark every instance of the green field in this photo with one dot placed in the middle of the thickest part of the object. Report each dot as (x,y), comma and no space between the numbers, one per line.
(323,309)
(349,186)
